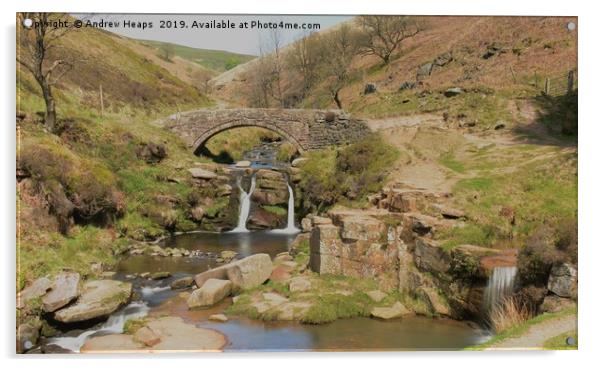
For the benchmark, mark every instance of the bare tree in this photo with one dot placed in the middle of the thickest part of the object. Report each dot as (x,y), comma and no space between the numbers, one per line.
(339,47)
(201,80)
(275,59)
(33,47)
(304,58)
(260,81)
(384,34)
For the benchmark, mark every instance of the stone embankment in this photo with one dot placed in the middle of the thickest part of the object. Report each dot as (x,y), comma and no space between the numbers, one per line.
(395,243)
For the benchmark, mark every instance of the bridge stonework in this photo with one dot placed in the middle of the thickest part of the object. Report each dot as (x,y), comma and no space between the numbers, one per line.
(305,129)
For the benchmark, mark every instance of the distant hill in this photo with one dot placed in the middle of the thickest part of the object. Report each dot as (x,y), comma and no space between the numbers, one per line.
(215,60)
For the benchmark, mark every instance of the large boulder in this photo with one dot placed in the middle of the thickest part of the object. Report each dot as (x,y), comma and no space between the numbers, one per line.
(213,291)
(217,273)
(563,280)
(250,271)
(37,289)
(99,298)
(65,288)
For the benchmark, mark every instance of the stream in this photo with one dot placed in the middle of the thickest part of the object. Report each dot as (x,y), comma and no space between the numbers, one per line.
(243,334)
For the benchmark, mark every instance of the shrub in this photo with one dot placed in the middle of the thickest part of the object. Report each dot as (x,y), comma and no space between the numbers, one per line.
(551,244)
(351,172)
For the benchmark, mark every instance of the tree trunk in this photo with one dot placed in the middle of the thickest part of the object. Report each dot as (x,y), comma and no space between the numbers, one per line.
(337,100)
(50,117)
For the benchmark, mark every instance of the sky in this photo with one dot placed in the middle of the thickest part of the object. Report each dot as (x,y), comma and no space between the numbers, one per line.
(239,40)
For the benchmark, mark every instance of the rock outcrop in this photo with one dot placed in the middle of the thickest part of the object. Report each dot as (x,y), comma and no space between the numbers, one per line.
(99,298)
(563,280)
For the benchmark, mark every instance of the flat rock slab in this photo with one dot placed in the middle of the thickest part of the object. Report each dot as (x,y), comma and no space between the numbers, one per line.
(386,313)
(65,288)
(220,317)
(37,289)
(173,333)
(202,173)
(99,298)
(213,291)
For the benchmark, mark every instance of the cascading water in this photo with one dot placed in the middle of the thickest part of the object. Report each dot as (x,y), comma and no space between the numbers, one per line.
(245,206)
(113,325)
(290,222)
(499,287)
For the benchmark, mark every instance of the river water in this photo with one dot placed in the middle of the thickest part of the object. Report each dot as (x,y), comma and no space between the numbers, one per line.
(157,298)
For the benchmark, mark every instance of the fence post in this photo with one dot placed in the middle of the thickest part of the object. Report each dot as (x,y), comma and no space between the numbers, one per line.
(571,81)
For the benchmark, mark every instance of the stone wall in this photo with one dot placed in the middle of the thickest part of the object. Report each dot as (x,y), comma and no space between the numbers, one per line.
(306,129)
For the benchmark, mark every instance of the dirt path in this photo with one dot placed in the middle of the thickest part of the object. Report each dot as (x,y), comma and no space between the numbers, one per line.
(536,335)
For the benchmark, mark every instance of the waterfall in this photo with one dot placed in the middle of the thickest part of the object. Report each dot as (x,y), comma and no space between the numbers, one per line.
(113,325)
(245,206)
(290,221)
(499,286)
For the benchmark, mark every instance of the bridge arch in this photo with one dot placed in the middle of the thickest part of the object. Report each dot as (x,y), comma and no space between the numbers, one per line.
(199,143)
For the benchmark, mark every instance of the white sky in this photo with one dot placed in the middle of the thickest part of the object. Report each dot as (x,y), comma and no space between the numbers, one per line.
(245,41)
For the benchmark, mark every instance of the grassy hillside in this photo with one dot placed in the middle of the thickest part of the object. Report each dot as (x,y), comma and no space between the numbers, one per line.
(529,49)
(86,191)
(215,60)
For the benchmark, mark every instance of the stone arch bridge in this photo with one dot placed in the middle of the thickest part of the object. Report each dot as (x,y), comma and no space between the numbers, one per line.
(305,129)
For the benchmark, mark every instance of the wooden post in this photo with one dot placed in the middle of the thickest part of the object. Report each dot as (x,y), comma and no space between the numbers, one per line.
(102,104)
(546,88)
(513,75)
(571,81)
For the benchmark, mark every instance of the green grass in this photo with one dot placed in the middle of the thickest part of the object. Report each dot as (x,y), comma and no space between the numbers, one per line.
(544,191)
(450,162)
(275,209)
(77,252)
(216,60)
(559,342)
(523,328)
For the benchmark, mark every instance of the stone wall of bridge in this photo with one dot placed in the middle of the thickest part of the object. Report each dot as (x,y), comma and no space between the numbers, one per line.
(306,129)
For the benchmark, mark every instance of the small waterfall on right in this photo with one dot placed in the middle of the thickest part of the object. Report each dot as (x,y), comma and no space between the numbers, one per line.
(499,287)
(245,206)
(290,220)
